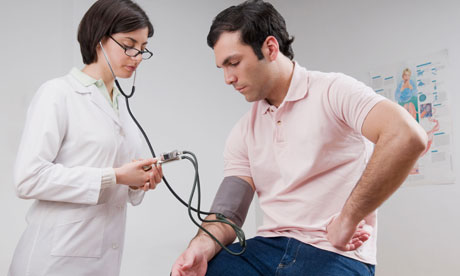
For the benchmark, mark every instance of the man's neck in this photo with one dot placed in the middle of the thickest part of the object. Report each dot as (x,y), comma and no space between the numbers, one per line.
(285,70)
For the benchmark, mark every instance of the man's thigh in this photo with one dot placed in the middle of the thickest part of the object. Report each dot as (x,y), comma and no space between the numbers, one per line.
(261,257)
(282,257)
(304,259)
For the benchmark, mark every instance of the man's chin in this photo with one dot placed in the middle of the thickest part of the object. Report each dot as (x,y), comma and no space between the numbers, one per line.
(249,99)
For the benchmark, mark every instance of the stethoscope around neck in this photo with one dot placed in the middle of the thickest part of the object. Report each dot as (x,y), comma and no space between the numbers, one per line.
(133,88)
(219,217)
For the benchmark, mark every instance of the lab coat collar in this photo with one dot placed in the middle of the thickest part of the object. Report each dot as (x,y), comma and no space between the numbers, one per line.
(77,86)
(96,97)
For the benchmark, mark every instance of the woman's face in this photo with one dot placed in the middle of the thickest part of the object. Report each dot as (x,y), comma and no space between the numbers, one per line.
(122,64)
(406,76)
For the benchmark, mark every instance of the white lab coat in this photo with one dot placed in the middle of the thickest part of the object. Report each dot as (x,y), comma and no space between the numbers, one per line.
(74,228)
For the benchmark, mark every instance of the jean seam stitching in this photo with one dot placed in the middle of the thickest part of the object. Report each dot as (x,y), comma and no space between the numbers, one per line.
(368,269)
(284,255)
(294,257)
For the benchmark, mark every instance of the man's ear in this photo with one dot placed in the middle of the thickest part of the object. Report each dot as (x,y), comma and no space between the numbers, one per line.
(270,48)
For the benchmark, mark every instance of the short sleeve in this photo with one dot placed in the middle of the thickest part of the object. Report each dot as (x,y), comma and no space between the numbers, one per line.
(351,100)
(236,161)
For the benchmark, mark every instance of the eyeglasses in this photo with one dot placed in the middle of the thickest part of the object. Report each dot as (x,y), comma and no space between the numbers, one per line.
(133,52)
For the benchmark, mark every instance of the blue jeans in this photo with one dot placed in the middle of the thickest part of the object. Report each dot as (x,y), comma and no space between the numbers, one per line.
(285,256)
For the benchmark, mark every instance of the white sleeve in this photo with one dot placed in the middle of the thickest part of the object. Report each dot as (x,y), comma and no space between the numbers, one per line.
(135,196)
(36,175)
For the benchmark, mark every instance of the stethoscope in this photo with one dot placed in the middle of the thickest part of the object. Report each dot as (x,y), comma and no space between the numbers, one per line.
(196,184)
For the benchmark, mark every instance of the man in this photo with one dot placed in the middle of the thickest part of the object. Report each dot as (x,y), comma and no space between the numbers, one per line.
(301,147)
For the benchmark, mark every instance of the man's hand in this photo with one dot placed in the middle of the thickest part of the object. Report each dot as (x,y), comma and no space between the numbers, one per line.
(193,262)
(347,236)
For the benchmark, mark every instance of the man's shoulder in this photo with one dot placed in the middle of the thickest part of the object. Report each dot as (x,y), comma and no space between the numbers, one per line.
(246,121)
(326,77)
(246,118)
(332,81)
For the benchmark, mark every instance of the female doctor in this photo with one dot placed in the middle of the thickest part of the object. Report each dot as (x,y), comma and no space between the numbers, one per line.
(75,156)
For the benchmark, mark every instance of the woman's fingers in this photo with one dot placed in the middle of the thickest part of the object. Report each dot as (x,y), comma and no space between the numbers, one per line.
(146,187)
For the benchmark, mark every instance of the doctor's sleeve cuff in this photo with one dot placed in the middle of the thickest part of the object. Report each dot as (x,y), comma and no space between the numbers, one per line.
(108,178)
(136,196)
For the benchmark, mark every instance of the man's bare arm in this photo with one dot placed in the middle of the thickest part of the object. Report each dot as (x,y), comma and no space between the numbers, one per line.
(202,248)
(399,141)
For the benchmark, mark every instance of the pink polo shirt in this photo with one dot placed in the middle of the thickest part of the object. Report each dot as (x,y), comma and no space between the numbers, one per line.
(306,156)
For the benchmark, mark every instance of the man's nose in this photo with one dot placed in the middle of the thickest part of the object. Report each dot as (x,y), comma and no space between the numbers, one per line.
(229,77)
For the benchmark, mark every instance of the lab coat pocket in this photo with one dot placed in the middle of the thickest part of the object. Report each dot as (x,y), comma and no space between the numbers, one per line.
(80,232)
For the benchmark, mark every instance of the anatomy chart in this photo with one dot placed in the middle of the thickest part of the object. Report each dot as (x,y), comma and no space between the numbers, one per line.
(419,86)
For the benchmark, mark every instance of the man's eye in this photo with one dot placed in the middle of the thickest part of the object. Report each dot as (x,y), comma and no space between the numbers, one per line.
(234,63)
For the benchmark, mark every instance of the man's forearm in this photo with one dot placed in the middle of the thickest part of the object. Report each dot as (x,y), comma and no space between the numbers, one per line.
(204,242)
(393,158)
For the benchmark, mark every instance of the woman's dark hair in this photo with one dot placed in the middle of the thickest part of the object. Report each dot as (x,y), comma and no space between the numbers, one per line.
(256,20)
(107,17)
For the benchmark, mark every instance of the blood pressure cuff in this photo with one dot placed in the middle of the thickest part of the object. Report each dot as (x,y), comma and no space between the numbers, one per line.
(233,199)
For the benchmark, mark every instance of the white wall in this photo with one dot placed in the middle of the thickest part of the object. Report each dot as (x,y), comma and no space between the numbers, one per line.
(36,45)
(183,103)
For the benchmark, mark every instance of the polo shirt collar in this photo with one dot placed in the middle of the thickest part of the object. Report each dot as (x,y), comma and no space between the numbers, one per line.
(298,88)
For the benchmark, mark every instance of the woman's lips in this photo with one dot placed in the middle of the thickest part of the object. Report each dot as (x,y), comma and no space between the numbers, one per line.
(130,68)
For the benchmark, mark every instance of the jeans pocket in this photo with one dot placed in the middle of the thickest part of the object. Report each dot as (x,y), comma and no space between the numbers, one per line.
(79,232)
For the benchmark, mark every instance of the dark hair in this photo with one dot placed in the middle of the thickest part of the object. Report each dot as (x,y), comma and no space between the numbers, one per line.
(256,20)
(107,17)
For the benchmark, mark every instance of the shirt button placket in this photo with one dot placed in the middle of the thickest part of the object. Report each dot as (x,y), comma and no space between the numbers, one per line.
(278,129)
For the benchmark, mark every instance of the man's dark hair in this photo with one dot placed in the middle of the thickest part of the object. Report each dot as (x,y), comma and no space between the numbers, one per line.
(256,20)
(107,17)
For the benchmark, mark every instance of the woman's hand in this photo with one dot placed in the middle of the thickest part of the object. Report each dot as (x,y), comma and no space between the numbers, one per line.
(155,178)
(140,174)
